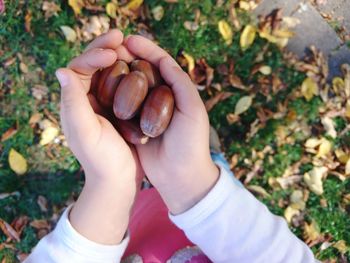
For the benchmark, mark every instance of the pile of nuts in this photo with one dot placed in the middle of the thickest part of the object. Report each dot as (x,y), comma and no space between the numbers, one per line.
(142,104)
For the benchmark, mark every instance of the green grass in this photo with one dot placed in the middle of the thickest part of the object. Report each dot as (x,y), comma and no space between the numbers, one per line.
(54,172)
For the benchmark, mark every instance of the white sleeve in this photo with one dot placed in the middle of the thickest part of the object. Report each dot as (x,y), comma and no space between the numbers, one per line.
(230,225)
(65,244)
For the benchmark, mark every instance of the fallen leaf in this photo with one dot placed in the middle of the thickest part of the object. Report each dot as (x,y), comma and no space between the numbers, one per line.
(39,91)
(76,5)
(134,4)
(209,104)
(20,223)
(338,84)
(347,109)
(50,9)
(265,70)
(328,125)
(190,62)
(28,21)
(325,148)
(225,31)
(111,9)
(259,190)
(297,200)
(312,143)
(309,88)
(17,162)
(244,5)
(40,224)
(341,156)
(69,33)
(23,67)
(313,179)
(42,202)
(311,232)
(290,212)
(191,25)
(95,26)
(347,167)
(48,135)
(2,6)
(243,105)
(8,230)
(8,134)
(247,36)
(341,246)
(158,12)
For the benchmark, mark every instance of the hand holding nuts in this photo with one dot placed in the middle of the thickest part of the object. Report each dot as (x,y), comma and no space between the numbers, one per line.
(140,114)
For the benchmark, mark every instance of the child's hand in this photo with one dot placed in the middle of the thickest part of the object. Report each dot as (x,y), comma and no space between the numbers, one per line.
(110,165)
(178,163)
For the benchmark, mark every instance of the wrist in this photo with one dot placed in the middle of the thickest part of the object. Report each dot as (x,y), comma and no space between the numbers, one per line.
(190,188)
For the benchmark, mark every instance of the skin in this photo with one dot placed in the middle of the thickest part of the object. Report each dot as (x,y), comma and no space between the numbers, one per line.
(183,174)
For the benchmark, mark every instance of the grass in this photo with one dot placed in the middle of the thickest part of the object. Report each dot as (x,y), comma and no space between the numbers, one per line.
(55,174)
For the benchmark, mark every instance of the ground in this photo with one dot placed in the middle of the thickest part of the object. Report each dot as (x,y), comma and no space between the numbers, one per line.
(283,124)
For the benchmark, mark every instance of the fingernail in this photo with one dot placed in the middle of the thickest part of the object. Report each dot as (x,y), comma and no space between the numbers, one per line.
(62,78)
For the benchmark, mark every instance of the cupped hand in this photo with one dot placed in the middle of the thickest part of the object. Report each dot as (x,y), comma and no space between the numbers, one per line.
(178,163)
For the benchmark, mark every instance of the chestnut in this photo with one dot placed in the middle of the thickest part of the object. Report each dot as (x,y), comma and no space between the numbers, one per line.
(151,72)
(130,94)
(157,111)
(131,132)
(110,78)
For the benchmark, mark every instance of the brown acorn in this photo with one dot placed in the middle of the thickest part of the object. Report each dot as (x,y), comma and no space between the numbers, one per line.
(157,111)
(109,81)
(151,72)
(130,94)
(131,131)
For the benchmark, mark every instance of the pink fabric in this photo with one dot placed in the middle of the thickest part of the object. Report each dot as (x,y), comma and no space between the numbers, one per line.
(152,235)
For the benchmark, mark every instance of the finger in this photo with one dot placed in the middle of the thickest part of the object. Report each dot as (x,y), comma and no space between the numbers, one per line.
(146,49)
(111,40)
(92,60)
(77,115)
(124,54)
(187,98)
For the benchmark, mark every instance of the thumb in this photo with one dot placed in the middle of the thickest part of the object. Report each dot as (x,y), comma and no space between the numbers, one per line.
(77,115)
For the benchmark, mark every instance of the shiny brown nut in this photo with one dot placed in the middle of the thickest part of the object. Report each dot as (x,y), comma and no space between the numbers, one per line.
(109,80)
(131,131)
(157,111)
(151,72)
(130,94)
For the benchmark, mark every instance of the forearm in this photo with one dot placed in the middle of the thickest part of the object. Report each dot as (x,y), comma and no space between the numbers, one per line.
(101,213)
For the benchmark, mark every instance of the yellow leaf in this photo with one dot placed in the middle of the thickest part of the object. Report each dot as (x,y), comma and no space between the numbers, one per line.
(158,12)
(313,179)
(338,84)
(48,135)
(76,5)
(243,104)
(259,190)
(17,162)
(134,4)
(325,148)
(341,246)
(268,36)
(328,125)
(225,31)
(248,36)
(111,9)
(312,143)
(347,167)
(283,33)
(297,201)
(311,231)
(289,213)
(341,156)
(347,109)
(69,33)
(265,70)
(309,88)
(190,61)
(244,5)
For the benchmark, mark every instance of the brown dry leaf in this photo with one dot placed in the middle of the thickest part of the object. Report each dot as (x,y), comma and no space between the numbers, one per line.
(134,4)
(76,5)
(39,91)
(225,31)
(8,230)
(232,118)
(111,9)
(247,36)
(17,162)
(28,21)
(42,202)
(311,232)
(158,12)
(313,179)
(309,88)
(243,105)
(347,109)
(8,134)
(259,190)
(94,26)
(50,9)
(69,33)
(209,104)
(20,223)
(40,224)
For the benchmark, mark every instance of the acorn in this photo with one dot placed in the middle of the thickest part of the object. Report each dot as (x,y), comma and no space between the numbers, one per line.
(131,131)
(109,81)
(153,76)
(157,111)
